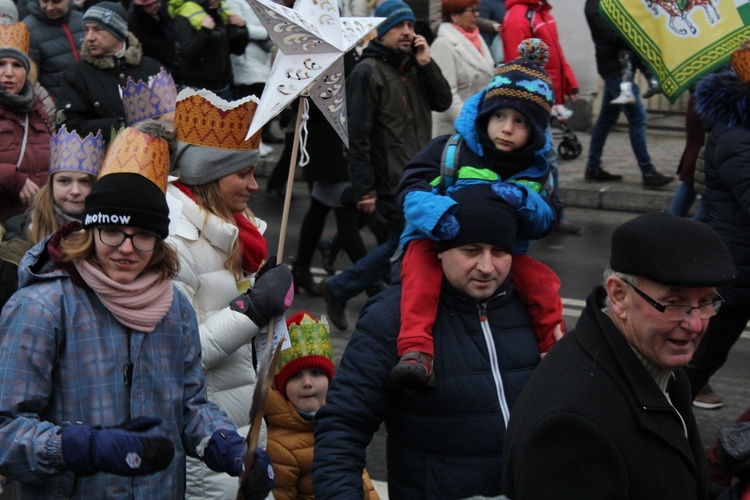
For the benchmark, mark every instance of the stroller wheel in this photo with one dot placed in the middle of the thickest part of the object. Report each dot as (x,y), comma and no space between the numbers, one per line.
(567,150)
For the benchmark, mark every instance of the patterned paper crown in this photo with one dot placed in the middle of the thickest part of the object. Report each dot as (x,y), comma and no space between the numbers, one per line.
(15,36)
(204,119)
(740,62)
(143,100)
(135,152)
(70,153)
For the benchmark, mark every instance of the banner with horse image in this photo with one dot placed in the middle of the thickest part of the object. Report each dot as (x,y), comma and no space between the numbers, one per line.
(680,40)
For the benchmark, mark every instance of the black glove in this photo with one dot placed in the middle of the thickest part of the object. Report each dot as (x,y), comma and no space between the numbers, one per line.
(125,450)
(271,295)
(224,454)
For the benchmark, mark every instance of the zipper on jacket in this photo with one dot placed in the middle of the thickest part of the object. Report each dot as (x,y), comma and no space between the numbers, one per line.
(494,363)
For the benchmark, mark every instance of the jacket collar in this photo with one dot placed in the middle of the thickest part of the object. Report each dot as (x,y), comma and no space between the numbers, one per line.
(396,58)
(132,57)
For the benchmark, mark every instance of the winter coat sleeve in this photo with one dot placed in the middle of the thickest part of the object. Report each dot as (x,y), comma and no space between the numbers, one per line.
(29,343)
(423,169)
(516,29)
(362,100)
(238,37)
(731,157)
(539,467)
(356,403)
(77,113)
(444,55)
(194,44)
(221,333)
(435,86)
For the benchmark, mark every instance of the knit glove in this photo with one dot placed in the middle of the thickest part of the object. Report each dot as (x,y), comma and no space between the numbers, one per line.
(271,295)
(447,227)
(224,454)
(125,450)
(513,194)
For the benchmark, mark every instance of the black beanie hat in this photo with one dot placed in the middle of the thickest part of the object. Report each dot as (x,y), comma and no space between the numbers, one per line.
(483,217)
(671,250)
(126,199)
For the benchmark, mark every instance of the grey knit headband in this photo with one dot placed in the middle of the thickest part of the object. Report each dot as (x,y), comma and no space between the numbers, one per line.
(198,165)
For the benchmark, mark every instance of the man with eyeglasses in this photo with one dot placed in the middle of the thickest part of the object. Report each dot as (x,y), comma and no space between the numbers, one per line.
(608,413)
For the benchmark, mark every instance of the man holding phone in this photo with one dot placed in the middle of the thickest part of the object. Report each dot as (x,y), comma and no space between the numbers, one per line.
(390,95)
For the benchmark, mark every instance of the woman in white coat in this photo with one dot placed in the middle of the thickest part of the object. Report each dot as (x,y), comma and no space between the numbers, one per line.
(220,246)
(463,57)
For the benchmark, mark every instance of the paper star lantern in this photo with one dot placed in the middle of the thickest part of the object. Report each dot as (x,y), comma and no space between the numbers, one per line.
(312,39)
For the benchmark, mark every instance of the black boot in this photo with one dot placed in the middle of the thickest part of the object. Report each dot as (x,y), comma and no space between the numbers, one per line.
(303,279)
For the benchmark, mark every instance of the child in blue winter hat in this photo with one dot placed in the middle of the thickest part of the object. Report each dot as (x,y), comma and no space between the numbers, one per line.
(500,140)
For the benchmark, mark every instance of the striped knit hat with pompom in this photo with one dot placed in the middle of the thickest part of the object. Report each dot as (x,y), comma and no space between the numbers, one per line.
(522,84)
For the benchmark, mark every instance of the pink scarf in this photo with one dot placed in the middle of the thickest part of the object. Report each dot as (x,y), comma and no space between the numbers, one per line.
(472,35)
(139,305)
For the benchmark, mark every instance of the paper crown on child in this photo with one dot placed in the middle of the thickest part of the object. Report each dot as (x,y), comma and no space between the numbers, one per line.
(130,190)
(145,100)
(71,153)
(740,61)
(14,42)
(311,348)
(210,135)
(522,84)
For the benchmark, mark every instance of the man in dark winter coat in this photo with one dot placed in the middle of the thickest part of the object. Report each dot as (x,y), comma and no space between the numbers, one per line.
(390,96)
(90,96)
(445,441)
(608,413)
(56,32)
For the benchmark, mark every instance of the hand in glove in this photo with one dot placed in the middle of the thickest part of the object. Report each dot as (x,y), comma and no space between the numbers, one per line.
(224,454)
(125,450)
(271,295)
(513,194)
(447,227)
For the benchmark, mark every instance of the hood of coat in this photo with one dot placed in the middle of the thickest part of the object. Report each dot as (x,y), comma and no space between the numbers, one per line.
(132,57)
(535,4)
(36,11)
(722,99)
(41,261)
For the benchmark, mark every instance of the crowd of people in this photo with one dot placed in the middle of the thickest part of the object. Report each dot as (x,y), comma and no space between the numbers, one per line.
(138,293)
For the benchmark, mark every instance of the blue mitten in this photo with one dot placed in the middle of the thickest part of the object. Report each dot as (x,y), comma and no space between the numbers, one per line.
(513,194)
(126,450)
(224,454)
(447,227)
(271,295)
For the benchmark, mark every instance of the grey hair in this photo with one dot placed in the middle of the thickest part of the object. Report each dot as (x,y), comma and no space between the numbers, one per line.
(611,273)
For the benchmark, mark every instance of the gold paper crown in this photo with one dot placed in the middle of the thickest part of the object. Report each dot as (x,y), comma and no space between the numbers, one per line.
(204,119)
(70,153)
(308,337)
(15,36)
(135,152)
(740,62)
(143,100)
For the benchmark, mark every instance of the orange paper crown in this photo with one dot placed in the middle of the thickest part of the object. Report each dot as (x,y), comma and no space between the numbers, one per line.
(15,36)
(740,62)
(134,152)
(143,100)
(204,119)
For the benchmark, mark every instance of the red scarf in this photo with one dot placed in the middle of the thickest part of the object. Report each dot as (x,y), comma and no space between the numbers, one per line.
(253,244)
(472,35)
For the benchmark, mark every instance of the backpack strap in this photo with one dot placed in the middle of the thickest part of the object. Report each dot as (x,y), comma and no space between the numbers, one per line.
(449,162)
(530,16)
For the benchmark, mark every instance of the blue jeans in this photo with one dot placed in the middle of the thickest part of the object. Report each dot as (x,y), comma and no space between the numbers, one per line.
(366,271)
(683,200)
(636,115)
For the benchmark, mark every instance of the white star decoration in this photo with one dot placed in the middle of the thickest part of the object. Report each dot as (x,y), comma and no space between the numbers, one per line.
(312,39)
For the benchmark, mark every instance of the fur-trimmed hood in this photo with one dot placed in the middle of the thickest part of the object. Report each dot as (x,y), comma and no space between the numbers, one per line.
(132,57)
(722,99)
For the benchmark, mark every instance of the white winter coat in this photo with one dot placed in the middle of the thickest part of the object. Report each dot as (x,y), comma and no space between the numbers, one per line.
(467,70)
(203,242)
(255,64)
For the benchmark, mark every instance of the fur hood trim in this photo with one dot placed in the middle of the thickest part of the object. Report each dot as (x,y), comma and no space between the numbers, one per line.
(133,55)
(722,99)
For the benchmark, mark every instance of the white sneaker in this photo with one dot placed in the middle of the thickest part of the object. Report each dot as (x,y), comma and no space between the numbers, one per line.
(624,98)
(560,111)
(265,149)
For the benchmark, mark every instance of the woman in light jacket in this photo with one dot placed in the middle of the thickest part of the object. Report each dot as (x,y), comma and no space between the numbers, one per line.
(463,57)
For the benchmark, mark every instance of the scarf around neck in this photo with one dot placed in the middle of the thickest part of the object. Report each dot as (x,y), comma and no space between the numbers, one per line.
(253,245)
(139,305)
(19,103)
(472,35)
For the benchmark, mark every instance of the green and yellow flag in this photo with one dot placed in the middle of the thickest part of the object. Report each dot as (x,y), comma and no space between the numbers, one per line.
(680,40)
